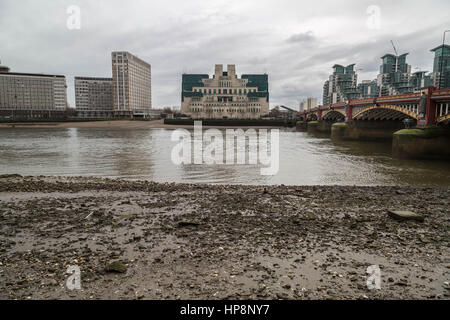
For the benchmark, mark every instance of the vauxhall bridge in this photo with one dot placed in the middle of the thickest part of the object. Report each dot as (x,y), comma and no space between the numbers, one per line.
(384,117)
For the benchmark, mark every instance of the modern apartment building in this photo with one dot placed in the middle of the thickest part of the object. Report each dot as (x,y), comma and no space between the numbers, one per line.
(368,89)
(396,78)
(32,96)
(93,97)
(131,86)
(394,75)
(419,80)
(341,85)
(225,95)
(441,66)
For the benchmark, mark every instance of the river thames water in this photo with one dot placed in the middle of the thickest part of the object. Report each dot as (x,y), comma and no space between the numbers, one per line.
(146,154)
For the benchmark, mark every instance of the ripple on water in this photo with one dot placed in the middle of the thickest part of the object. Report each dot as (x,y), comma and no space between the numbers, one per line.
(146,154)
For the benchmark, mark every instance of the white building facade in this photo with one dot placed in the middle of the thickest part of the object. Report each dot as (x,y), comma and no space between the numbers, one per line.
(32,96)
(225,96)
(132,86)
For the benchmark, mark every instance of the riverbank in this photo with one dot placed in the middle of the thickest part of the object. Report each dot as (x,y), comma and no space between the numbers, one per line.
(178,241)
(116,124)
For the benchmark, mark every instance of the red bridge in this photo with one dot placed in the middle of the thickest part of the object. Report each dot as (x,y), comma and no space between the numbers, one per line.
(398,107)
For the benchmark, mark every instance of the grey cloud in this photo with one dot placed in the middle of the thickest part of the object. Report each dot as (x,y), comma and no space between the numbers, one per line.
(302,37)
(177,37)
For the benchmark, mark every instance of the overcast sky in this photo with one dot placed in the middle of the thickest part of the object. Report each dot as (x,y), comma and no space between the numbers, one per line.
(295,42)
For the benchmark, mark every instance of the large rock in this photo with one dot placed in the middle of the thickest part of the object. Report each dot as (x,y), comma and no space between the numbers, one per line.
(405,215)
(116,266)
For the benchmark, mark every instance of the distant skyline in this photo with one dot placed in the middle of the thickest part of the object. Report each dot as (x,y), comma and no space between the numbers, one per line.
(295,42)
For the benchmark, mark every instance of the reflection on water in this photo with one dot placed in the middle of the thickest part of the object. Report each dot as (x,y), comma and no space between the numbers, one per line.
(146,154)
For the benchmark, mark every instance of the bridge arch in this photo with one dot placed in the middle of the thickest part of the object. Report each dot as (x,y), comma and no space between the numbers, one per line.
(333,115)
(312,117)
(443,119)
(384,112)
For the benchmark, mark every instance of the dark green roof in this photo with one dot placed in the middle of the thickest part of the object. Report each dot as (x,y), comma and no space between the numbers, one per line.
(261,81)
(191,80)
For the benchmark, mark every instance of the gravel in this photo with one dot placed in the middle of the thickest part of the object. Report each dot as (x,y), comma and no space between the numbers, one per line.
(180,241)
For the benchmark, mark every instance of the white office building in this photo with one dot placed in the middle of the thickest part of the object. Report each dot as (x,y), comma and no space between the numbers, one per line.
(32,96)
(131,86)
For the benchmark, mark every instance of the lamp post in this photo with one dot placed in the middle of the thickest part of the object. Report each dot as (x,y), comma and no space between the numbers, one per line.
(442,60)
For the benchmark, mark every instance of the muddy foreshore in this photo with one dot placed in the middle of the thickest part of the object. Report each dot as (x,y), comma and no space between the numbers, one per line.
(179,241)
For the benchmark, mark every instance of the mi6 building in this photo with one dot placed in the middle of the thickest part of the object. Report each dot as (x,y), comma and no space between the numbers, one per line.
(131,86)
(225,95)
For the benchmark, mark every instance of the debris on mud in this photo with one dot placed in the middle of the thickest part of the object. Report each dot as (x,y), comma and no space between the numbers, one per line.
(181,241)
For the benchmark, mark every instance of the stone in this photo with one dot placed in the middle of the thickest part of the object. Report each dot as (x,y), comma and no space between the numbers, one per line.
(8,176)
(405,215)
(402,282)
(187,224)
(116,266)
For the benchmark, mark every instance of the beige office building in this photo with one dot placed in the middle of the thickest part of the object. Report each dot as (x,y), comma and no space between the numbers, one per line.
(308,104)
(225,95)
(132,87)
(32,96)
(93,97)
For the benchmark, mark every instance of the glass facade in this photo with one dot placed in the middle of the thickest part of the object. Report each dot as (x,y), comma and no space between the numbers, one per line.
(441,67)
(341,85)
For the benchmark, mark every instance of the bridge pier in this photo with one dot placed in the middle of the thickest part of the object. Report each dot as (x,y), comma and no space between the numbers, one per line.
(422,143)
(319,127)
(301,126)
(365,130)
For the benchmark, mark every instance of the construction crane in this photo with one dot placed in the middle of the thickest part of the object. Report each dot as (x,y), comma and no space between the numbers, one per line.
(292,114)
(395,50)
(289,109)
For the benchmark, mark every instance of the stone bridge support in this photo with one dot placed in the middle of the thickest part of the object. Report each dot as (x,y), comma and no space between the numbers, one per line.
(365,130)
(320,126)
(426,143)
(301,126)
